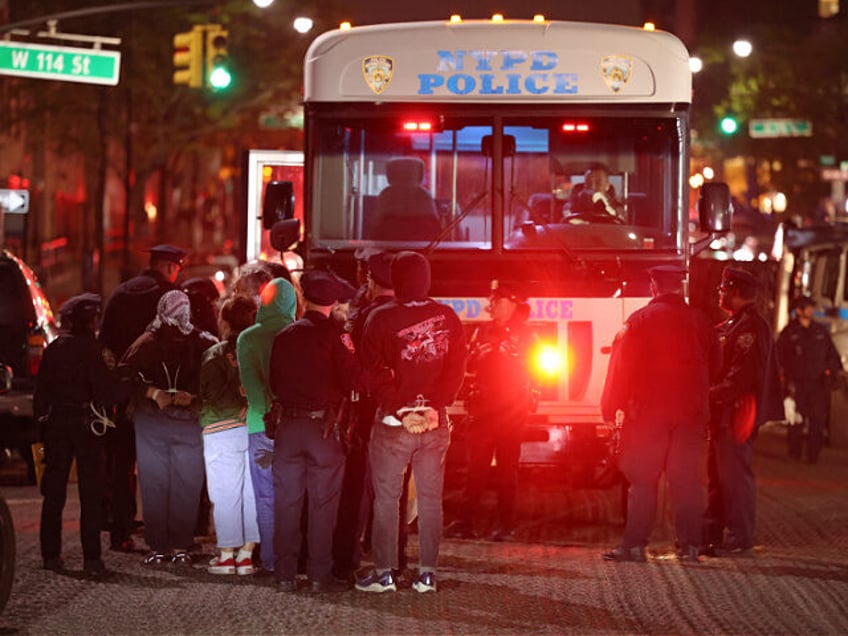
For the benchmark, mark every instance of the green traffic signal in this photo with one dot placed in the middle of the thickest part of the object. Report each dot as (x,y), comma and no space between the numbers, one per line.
(218,74)
(729,125)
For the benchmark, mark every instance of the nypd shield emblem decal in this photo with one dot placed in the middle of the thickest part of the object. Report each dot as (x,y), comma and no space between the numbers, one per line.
(377,70)
(616,70)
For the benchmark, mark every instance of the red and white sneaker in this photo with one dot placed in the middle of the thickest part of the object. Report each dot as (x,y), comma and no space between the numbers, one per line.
(245,566)
(219,566)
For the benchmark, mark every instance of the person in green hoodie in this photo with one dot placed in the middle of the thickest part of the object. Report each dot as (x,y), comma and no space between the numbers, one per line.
(277,307)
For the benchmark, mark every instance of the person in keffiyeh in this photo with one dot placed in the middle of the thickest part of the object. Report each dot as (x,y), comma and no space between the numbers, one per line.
(163,367)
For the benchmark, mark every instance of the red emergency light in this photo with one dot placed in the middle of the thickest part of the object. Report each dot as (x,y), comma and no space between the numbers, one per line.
(572,127)
(549,361)
(417,126)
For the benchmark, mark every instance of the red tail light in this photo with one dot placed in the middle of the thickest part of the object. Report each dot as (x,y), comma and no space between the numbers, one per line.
(35,349)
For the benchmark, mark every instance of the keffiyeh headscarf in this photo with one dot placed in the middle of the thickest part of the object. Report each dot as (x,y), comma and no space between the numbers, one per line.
(174,309)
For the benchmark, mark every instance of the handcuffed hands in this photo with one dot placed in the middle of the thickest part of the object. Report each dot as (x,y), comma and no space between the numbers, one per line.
(183,398)
(420,421)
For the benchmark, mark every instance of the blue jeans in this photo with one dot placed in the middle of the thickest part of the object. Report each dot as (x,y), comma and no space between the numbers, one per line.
(170,473)
(261,451)
(230,487)
(391,449)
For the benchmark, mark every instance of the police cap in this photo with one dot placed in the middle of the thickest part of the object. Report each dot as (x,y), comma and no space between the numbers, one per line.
(380,269)
(802,302)
(80,308)
(167,252)
(325,288)
(510,291)
(739,278)
(668,273)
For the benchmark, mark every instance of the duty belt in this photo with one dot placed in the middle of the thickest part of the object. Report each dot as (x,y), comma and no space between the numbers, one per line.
(290,411)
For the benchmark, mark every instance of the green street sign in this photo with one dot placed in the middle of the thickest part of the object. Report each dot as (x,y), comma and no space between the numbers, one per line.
(41,61)
(777,127)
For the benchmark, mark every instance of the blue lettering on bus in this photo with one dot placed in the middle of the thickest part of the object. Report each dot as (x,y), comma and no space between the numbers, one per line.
(521,74)
(512,59)
(551,309)
(461,84)
(465,309)
(486,87)
(449,61)
(532,87)
(543,60)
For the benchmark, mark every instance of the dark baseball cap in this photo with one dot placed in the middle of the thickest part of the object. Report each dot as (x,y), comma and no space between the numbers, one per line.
(380,269)
(80,307)
(668,273)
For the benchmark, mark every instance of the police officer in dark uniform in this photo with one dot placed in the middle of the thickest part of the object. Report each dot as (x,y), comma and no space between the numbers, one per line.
(746,394)
(500,399)
(807,358)
(74,394)
(313,367)
(659,374)
(127,314)
(357,492)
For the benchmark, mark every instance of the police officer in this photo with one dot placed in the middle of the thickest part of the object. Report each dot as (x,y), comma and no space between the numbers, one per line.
(659,374)
(746,394)
(357,492)
(500,399)
(807,358)
(128,312)
(74,393)
(313,367)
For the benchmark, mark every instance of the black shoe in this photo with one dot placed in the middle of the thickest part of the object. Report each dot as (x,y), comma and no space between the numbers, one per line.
(733,549)
(127,545)
(626,554)
(287,586)
(55,564)
(333,586)
(95,569)
(460,530)
(156,558)
(181,558)
(709,550)
(377,582)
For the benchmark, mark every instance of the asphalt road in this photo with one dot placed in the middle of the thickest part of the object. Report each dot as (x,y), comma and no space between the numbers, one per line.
(550,581)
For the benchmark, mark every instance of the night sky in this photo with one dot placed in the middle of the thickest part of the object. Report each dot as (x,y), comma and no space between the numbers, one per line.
(374,11)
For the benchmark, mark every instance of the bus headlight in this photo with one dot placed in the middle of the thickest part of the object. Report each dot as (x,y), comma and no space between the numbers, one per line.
(549,361)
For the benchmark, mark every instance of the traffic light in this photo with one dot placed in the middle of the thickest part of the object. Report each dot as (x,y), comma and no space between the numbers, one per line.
(217,74)
(188,58)
(729,125)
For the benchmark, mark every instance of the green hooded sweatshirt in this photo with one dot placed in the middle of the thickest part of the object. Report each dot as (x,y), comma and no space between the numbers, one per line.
(277,305)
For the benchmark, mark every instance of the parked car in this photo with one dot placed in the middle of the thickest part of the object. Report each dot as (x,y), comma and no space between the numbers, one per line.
(27,326)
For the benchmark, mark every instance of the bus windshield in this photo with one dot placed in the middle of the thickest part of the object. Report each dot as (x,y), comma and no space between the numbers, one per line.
(476,179)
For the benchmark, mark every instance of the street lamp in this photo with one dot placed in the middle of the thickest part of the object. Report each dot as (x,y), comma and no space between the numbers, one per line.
(263,4)
(742,48)
(303,25)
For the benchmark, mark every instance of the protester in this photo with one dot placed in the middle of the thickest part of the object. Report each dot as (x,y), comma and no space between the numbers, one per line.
(500,399)
(746,394)
(163,365)
(659,375)
(128,312)
(223,416)
(74,394)
(277,306)
(413,354)
(313,371)
(810,364)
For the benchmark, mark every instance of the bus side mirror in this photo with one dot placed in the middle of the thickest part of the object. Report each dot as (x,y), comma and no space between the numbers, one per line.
(715,208)
(278,204)
(284,234)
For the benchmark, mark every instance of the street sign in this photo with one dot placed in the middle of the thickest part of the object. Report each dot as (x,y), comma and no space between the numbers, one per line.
(762,128)
(14,201)
(42,61)
(834,174)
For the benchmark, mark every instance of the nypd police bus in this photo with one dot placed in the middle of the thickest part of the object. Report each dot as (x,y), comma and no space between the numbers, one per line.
(471,141)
